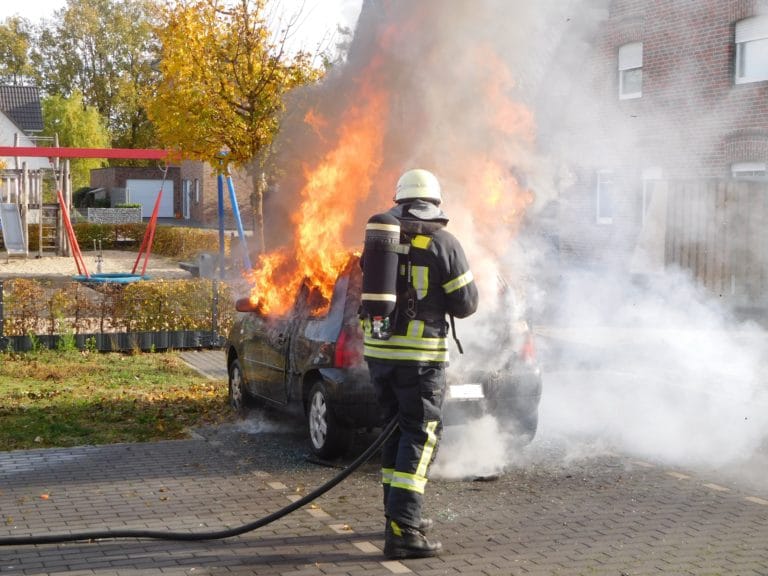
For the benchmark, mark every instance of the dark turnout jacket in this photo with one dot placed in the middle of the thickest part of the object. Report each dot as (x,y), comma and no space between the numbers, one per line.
(434,282)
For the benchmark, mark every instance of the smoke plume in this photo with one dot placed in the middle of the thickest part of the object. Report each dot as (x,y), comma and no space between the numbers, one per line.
(497,98)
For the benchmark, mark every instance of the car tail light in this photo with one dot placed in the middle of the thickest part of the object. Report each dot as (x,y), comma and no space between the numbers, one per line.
(528,351)
(348,348)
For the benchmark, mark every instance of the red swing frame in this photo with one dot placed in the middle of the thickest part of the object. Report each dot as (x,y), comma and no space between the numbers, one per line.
(111,153)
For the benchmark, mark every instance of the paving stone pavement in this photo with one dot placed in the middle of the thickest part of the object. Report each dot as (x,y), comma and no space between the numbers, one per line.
(547,515)
(603,515)
(210,363)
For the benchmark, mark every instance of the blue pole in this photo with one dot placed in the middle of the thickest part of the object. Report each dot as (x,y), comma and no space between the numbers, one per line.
(220,183)
(239,222)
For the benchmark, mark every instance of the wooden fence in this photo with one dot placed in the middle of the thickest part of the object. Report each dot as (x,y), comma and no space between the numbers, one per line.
(716,229)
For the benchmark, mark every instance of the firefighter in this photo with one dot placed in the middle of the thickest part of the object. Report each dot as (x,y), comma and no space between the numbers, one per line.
(407,359)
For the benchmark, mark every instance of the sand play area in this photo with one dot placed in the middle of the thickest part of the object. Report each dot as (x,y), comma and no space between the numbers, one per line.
(113,261)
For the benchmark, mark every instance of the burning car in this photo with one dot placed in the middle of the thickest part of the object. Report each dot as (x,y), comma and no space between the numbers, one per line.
(310,359)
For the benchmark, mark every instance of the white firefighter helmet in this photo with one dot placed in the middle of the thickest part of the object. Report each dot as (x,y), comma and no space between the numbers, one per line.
(418,184)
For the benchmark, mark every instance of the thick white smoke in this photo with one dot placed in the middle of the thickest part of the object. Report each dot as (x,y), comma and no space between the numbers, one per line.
(645,364)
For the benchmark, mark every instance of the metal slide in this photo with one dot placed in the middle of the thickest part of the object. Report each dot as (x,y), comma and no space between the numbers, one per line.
(10,228)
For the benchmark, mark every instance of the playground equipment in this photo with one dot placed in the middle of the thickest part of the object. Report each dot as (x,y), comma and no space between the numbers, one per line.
(12,230)
(70,240)
(223,173)
(21,197)
(144,251)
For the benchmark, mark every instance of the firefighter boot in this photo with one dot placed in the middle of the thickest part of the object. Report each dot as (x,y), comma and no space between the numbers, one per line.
(425,524)
(402,542)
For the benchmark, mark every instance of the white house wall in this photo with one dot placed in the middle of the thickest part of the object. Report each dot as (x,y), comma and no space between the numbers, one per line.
(8,131)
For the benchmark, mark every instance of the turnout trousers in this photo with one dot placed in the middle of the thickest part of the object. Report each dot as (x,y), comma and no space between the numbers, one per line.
(414,395)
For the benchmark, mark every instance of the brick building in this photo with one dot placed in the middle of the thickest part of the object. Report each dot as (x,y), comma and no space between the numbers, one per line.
(190,192)
(199,184)
(672,90)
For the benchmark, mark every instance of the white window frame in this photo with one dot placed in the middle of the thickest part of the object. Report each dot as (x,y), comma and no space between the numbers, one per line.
(755,171)
(630,59)
(650,177)
(197,191)
(750,32)
(604,189)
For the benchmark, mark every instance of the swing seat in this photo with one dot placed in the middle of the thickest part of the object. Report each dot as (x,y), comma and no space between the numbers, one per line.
(109,278)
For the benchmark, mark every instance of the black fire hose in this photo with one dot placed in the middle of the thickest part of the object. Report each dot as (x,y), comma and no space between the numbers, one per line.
(215,535)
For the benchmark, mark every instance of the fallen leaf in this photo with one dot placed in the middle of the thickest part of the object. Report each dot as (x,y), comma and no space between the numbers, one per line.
(44,496)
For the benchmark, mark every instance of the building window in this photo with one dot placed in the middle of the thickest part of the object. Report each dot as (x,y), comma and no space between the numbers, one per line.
(651,178)
(631,71)
(605,193)
(197,191)
(752,50)
(755,171)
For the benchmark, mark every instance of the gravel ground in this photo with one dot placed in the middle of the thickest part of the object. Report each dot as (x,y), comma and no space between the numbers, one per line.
(113,261)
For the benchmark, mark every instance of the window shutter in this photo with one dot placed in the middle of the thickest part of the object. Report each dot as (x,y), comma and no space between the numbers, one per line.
(631,56)
(751,29)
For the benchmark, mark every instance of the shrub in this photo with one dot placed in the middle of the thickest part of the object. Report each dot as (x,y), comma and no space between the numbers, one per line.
(171,241)
(186,243)
(146,306)
(24,307)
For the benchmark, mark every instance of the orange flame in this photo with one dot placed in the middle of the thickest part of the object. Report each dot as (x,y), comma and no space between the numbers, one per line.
(505,199)
(333,187)
(343,178)
(506,115)
(317,122)
(273,288)
(511,131)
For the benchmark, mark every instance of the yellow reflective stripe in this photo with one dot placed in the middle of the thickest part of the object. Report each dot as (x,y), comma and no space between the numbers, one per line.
(415,329)
(420,280)
(459,282)
(400,354)
(410,482)
(379,297)
(427,449)
(383,227)
(421,241)
(386,475)
(415,342)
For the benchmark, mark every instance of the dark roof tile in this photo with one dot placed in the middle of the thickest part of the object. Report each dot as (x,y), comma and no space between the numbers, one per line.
(22,105)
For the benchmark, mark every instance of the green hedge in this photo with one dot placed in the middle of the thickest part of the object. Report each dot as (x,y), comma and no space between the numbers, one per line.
(171,241)
(37,307)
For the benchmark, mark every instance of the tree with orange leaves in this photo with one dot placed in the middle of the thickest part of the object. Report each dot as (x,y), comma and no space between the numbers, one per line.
(223,77)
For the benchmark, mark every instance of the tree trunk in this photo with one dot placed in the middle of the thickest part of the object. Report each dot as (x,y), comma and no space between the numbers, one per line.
(257,206)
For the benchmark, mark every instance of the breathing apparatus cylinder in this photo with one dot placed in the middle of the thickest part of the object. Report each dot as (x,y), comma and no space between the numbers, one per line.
(380,263)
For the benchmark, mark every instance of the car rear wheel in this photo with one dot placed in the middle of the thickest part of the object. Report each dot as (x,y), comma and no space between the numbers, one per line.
(325,434)
(524,427)
(237,391)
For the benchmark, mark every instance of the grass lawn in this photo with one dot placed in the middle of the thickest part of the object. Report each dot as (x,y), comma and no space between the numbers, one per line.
(71,398)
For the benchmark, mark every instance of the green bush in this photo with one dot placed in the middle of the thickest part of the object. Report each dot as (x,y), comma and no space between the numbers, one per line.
(33,307)
(171,241)
(186,243)
(24,307)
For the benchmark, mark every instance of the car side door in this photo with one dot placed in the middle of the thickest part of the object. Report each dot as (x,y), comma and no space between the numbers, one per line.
(264,372)
(272,369)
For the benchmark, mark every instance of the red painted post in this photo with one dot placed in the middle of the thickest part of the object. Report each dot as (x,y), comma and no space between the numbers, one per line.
(114,153)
